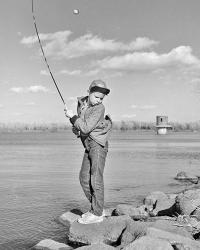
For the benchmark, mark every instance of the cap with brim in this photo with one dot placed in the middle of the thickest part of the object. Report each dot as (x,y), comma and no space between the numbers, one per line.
(102,90)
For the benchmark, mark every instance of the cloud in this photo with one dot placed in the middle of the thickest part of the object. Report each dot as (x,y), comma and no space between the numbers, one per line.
(148,107)
(143,107)
(72,98)
(17,89)
(128,116)
(134,106)
(44,73)
(53,39)
(180,56)
(18,114)
(92,72)
(195,80)
(32,89)
(71,73)
(1,106)
(37,88)
(31,104)
(58,45)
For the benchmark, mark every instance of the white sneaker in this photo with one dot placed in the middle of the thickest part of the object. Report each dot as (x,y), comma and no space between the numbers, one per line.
(104,213)
(85,214)
(91,218)
(88,213)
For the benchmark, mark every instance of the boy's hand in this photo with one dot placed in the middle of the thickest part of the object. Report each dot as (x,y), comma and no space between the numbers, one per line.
(68,113)
(75,131)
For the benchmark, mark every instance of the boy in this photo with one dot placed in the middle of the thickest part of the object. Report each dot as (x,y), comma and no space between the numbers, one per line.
(93,129)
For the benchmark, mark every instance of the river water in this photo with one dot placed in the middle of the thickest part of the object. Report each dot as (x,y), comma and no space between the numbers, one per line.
(39,177)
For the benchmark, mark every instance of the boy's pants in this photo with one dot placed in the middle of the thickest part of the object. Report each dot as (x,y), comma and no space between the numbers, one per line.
(91,174)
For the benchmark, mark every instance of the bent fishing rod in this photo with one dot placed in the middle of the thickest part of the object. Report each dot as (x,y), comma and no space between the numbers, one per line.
(45,59)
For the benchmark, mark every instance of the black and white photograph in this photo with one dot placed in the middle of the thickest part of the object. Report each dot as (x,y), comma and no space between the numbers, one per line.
(100,125)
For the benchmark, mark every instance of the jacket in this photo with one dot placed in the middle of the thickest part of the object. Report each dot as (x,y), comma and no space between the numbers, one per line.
(91,121)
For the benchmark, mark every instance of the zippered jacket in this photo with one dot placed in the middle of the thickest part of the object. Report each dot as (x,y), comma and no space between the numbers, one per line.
(91,121)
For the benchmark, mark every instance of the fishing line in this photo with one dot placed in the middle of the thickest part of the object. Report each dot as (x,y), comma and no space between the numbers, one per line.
(45,59)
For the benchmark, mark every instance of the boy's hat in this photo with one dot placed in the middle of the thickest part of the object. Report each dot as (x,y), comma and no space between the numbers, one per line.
(99,86)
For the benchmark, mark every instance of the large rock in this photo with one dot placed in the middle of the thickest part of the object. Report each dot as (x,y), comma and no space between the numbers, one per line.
(173,227)
(188,202)
(108,211)
(184,176)
(49,244)
(165,207)
(174,239)
(191,223)
(136,213)
(134,230)
(148,243)
(151,199)
(99,246)
(137,229)
(107,231)
(68,218)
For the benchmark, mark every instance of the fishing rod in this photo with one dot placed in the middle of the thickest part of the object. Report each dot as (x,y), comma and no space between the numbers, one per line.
(45,59)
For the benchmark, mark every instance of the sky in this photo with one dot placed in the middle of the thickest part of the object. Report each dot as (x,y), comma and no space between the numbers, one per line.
(147,52)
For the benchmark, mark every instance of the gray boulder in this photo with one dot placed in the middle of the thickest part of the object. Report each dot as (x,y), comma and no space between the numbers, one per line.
(148,243)
(99,246)
(49,244)
(151,199)
(68,218)
(174,239)
(133,231)
(137,229)
(136,213)
(188,202)
(191,223)
(107,232)
(173,227)
(184,176)
(108,211)
(165,207)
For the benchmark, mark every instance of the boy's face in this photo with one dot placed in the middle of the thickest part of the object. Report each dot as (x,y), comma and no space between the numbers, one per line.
(95,98)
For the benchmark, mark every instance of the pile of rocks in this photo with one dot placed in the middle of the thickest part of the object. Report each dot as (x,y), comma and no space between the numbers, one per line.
(163,222)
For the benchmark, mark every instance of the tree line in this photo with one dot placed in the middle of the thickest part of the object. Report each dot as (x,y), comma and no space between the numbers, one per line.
(119,125)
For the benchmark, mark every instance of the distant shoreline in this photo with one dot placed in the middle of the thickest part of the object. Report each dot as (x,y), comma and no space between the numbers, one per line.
(119,126)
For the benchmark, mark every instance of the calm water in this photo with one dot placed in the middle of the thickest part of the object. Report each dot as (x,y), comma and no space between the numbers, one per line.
(39,177)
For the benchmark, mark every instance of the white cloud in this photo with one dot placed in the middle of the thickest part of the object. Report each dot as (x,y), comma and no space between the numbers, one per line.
(58,45)
(44,73)
(1,106)
(17,89)
(72,98)
(18,114)
(55,38)
(71,73)
(31,104)
(142,43)
(143,107)
(148,107)
(128,116)
(92,72)
(37,88)
(180,56)
(33,89)
(134,106)
(195,80)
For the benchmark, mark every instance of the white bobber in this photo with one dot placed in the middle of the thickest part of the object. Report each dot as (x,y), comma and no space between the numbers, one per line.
(76,11)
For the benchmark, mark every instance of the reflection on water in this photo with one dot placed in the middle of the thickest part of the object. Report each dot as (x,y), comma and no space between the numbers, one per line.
(39,177)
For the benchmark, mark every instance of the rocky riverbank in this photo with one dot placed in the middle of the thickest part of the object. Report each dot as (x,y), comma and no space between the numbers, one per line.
(163,222)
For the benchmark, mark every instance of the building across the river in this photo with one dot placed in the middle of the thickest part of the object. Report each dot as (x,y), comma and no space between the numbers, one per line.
(162,124)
